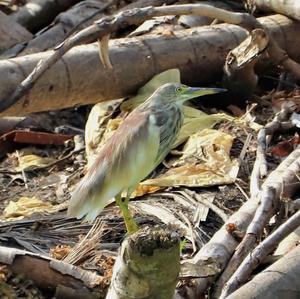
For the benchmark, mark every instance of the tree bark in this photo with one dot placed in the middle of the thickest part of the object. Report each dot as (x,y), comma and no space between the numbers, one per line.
(80,78)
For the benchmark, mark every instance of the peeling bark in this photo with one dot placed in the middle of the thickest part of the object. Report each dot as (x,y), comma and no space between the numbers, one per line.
(79,78)
(239,76)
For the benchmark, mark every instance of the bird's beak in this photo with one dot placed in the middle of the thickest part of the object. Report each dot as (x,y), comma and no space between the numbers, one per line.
(201,91)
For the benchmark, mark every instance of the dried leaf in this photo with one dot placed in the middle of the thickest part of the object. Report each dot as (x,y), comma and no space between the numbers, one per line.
(25,206)
(206,162)
(196,120)
(60,251)
(142,190)
(284,148)
(96,127)
(29,162)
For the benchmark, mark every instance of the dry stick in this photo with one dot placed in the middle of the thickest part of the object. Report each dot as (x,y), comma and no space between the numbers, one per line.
(260,165)
(126,18)
(260,253)
(280,280)
(22,171)
(279,123)
(283,181)
(219,249)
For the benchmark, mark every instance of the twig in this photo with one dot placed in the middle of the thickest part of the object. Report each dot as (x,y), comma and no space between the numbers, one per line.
(136,16)
(260,165)
(245,147)
(259,254)
(191,229)
(242,190)
(279,123)
(22,171)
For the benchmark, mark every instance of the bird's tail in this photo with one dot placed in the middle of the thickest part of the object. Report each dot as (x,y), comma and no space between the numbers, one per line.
(87,200)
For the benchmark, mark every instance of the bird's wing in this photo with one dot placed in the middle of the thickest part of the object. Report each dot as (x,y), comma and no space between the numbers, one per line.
(127,157)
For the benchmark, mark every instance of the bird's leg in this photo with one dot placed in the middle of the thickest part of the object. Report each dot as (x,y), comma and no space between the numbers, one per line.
(131,226)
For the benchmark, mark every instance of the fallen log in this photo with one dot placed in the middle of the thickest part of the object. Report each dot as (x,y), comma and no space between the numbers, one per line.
(76,18)
(289,8)
(281,280)
(62,278)
(103,28)
(11,32)
(63,24)
(39,13)
(259,254)
(80,78)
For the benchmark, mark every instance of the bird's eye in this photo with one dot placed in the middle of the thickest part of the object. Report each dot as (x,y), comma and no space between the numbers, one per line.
(178,89)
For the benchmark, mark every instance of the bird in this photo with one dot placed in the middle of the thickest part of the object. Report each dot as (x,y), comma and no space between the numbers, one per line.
(136,148)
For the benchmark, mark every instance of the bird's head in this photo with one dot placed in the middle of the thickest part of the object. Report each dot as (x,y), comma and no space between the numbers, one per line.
(179,93)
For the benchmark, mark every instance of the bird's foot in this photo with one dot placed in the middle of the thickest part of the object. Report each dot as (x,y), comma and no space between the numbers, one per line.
(131,225)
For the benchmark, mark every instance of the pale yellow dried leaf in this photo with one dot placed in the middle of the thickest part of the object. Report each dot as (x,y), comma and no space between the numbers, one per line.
(205,162)
(144,189)
(95,129)
(196,120)
(24,207)
(32,161)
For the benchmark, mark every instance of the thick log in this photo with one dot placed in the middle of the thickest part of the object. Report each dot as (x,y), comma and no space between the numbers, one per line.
(76,18)
(11,32)
(63,24)
(51,274)
(39,13)
(80,78)
(289,8)
(281,280)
